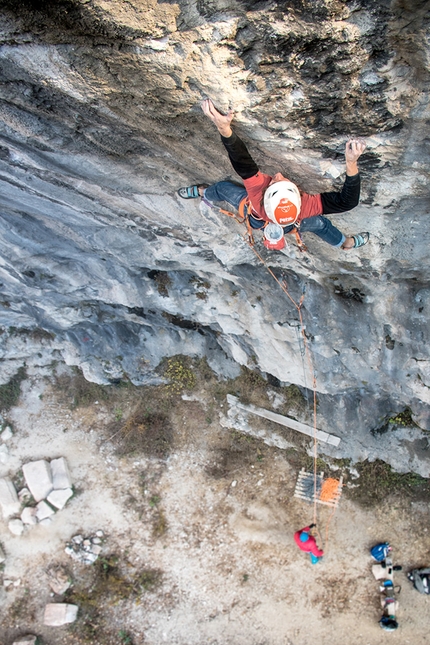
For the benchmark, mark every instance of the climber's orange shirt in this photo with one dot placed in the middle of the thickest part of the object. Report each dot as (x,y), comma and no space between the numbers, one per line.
(255,187)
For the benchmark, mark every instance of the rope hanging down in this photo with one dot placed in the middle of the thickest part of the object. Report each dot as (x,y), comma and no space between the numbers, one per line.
(330,488)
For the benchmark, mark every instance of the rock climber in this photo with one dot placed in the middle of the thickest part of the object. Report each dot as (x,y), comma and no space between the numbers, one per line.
(276,199)
(306,542)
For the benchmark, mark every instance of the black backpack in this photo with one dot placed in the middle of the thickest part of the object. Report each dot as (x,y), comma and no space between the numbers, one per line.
(420,579)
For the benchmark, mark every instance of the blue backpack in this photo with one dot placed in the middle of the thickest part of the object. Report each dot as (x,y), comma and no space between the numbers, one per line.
(380,551)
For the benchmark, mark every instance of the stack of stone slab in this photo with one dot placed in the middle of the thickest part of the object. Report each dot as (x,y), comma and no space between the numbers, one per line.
(48,483)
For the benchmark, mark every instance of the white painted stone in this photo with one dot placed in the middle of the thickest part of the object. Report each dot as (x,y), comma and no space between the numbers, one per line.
(4,454)
(28,515)
(58,498)
(96,549)
(38,478)
(6,434)
(8,498)
(57,614)
(43,510)
(16,527)
(26,640)
(60,474)
(46,522)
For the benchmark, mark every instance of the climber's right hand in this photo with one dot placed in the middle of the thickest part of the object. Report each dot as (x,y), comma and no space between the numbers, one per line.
(222,121)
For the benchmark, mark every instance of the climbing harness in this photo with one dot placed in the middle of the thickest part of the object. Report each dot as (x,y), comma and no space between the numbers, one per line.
(326,491)
(242,217)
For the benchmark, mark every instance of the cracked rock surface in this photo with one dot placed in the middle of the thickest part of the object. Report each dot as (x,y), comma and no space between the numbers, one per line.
(105,267)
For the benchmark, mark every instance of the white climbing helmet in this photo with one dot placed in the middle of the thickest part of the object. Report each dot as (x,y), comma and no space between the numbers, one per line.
(282,202)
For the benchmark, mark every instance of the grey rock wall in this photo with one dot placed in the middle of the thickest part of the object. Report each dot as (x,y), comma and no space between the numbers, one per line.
(100,123)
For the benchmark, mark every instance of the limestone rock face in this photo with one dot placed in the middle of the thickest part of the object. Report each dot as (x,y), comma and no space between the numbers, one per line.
(107,268)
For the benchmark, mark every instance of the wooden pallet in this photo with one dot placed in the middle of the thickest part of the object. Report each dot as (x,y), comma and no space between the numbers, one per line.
(305,488)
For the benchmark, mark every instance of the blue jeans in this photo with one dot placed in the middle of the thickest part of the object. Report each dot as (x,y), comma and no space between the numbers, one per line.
(228,191)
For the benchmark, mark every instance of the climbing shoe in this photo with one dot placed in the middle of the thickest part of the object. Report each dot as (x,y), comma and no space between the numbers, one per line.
(359,240)
(191,192)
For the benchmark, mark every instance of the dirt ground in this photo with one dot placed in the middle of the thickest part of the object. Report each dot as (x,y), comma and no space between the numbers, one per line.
(198,526)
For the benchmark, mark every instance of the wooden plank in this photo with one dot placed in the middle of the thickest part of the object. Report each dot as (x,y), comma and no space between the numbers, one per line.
(322,436)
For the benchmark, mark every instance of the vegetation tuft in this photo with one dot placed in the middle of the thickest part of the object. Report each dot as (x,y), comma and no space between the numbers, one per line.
(179,372)
(145,432)
(378,481)
(241,451)
(108,586)
(79,392)
(10,392)
(403,418)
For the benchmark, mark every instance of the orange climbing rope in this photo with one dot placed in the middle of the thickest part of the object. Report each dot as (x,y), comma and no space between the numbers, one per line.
(330,487)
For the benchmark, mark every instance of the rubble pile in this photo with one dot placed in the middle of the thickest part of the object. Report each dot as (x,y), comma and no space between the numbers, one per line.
(48,483)
(85,550)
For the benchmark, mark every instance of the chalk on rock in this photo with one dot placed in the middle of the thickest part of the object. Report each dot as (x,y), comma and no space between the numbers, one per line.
(60,474)
(16,527)
(28,515)
(58,498)
(26,640)
(43,510)
(8,498)
(39,478)
(6,434)
(57,614)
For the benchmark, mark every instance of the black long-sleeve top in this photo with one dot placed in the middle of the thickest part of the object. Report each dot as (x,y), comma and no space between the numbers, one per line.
(332,202)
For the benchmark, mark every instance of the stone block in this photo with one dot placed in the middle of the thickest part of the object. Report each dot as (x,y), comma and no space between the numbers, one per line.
(60,474)
(57,614)
(58,579)
(16,527)
(28,515)
(26,640)
(38,478)
(6,434)
(43,510)
(4,454)
(58,498)
(9,501)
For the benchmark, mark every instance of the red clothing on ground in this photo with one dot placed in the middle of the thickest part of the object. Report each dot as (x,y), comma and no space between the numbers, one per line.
(255,186)
(310,546)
